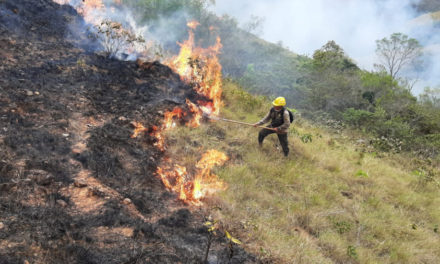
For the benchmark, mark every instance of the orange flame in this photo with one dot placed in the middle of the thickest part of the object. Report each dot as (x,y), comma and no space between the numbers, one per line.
(202,67)
(160,139)
(197,114)
(176,179)
(169,118)
(138,128)
(193,24)
(205,182)
(168,123)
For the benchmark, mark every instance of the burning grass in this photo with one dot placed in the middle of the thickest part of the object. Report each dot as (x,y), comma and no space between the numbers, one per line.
(330,201)
(75,187)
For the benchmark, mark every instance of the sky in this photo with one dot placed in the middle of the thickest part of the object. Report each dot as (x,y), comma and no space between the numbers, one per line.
(355,25)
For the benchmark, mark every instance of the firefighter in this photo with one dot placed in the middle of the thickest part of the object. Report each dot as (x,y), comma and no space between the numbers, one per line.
(280,118)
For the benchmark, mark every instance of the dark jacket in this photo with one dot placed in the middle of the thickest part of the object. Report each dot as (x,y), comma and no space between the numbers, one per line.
(279,119)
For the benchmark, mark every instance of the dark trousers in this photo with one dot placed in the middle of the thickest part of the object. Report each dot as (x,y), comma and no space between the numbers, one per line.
(282,137)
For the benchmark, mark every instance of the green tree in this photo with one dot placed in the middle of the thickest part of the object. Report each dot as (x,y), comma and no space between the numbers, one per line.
(431,97)
(397,52)
(332,80)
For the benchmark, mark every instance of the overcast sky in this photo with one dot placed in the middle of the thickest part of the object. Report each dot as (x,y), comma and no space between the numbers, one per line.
(304,26)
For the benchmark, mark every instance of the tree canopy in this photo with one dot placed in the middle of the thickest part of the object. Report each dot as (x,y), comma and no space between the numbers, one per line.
(397,52)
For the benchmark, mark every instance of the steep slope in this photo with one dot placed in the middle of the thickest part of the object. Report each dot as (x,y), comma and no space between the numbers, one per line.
(74,186)
(336,199)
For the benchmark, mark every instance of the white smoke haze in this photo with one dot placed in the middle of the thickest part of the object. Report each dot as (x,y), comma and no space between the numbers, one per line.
(355,25)
(155,38)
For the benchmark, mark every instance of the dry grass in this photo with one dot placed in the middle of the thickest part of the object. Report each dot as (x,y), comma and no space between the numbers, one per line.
(329,202)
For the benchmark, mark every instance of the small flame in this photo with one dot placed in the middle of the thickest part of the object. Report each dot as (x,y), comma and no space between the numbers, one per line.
(138,128)
(160,139)
(168,123)
(193,24)
(197,114)
(204,183)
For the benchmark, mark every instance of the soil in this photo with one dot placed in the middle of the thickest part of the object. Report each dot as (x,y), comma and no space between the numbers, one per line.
(74,186)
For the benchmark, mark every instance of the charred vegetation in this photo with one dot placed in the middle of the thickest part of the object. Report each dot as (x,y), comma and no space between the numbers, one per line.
(74,186)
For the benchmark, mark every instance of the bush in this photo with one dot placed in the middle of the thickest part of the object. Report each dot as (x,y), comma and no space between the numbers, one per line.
(245,100)
(115,38)
(357,118)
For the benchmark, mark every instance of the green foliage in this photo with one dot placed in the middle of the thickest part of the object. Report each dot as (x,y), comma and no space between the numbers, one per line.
(315,194)
(152,10)
(351,252)
(332,56)
(342,226)
(328,86)
(247,101)
(332,81)
(387,144)
(357,118)
(361,174)
(306,138)
(426,177)
(431,97)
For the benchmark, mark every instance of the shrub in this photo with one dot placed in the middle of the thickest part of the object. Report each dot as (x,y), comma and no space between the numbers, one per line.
(115,38)
(357,118)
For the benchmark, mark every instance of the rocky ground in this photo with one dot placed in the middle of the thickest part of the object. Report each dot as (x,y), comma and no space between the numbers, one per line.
(74,186)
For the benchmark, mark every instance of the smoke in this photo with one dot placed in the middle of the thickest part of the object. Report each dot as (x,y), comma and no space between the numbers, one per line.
(304,26)
(160,35)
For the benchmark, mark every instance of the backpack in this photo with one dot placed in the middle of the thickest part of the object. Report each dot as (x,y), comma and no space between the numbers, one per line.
(290,115)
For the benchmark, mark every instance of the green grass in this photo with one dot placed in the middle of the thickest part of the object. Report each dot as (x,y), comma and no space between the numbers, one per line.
(328,202)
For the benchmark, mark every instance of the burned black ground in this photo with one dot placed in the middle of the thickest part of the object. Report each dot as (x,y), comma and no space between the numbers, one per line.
(65,127)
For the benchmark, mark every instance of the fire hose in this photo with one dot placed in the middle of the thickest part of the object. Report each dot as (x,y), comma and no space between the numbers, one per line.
(238,122)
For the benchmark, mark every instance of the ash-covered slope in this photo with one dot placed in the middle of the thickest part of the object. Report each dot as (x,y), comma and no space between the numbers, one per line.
(74,186)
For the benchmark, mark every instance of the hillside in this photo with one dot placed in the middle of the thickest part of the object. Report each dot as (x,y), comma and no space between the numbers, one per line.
(111,161)
(336,199)
(75,185)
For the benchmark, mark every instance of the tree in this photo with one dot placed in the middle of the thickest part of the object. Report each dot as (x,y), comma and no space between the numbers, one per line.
(254,25)
(331,80)
(397,52)
(332,57)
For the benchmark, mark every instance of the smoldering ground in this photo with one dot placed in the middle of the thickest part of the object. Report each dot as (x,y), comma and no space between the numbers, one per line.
(65,114)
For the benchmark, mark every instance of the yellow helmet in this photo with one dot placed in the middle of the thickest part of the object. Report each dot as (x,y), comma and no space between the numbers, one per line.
(280,101)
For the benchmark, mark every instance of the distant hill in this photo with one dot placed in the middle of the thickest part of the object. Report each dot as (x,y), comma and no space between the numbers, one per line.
(426,6)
